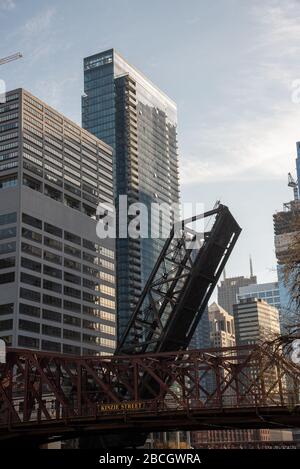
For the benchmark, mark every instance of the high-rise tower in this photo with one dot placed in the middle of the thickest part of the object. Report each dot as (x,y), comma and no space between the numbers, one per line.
(122,107)
(57,278)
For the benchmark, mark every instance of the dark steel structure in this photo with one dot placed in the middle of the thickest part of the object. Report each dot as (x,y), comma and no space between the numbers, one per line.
(46,397)
(181,284)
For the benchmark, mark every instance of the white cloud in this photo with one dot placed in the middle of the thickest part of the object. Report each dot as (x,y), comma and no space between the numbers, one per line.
(254,138)
(247,149)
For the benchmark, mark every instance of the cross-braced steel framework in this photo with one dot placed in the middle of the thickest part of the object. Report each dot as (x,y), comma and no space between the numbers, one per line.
(45,395)
(181,283)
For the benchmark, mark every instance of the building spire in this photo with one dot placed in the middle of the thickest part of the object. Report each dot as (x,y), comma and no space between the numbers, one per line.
(224,274)
(251,266)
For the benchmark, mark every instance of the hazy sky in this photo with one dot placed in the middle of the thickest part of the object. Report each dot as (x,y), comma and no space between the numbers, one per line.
(229,64)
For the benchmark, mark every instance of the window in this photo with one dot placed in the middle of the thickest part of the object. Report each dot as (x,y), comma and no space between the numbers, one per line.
(32,235)
(9,156)
(53,243)
(7,278)
(8,181)
(52,272)
(71,306)
(7,248)
(72,278)
(51,315)
(72,292)
(7,263)
(72,238)
(72,320)
(30,295)
(51,330)
(107,303)
(51,346)
(107,290)
(29,310)
(71,349)
(31,250)
(8,218)
(32,183)
(52,301)
(50,257)
(72,251)
(6,325)
(30,280)
(72,264)
(53,193)
(90,298)
(6,309)
(72,335)
(29,342)
(31,265)
(90,258)
(52,286)
(54,230)
(91,284)
(29,326)
(6,166)
(29,220)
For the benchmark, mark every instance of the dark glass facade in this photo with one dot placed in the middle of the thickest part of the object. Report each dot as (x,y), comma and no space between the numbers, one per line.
(123,108)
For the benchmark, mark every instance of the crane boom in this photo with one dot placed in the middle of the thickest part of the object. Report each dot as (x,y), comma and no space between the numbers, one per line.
(10,58)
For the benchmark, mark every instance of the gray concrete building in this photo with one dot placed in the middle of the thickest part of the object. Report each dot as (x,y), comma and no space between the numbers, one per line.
(255,321)
(229,289)
(57,278)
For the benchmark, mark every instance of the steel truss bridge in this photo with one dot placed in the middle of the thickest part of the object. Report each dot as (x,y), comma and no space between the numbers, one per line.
(46,397)
(153,383)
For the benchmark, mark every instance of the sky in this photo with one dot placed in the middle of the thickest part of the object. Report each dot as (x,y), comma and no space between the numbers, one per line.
(231,66)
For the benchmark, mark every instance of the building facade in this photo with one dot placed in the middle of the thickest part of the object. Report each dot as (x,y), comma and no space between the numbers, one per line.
(266,291)
(229,289)
(285,223)
(255,321)
(222,331)
(123,108)
(57,278)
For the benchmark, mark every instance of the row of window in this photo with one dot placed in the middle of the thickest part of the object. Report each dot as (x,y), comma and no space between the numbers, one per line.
(31,342)
(59,233)
(36,297)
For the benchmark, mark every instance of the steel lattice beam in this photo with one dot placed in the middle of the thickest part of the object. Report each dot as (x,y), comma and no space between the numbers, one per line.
(181,284)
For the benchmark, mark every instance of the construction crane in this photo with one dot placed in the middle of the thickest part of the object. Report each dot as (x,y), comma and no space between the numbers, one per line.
(294,185)
(10,58)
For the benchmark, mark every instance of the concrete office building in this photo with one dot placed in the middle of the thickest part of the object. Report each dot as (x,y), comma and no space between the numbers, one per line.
(126,110)
(229,289)
(222,331)
(57,278)
(255,321)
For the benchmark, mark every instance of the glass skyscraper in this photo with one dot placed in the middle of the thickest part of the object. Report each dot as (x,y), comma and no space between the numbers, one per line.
(124,109)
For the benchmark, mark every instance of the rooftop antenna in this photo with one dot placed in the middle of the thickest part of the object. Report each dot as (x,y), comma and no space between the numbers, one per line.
(251,266)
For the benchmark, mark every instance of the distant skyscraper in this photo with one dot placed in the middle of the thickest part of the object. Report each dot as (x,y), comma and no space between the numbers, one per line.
(122,107)
(267,291)
(255,321)
(222,331)
(57,278)
(229,289)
